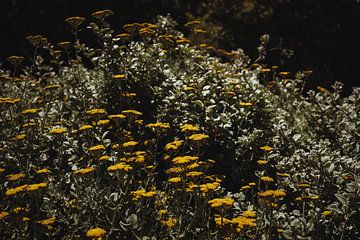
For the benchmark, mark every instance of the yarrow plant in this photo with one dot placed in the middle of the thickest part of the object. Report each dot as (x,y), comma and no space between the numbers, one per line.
(158,136)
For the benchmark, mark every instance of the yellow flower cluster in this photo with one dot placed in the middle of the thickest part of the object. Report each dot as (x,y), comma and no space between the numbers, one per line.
(103,122)
(266,148)
(120,166)
(9,100)
(131,113)
(116,116)
(58,131)
(30,111)
(198,137)
(25,187)
(272,193)
(96,233)
(84,170)
(15,177)
(85,127)
(221,202)
(189,128)
(96,148)
(169,223)
(266,179)
(175,145)
(158,125)
(141,193)
(184,159)
(96,111)
(130,144)
(3,215)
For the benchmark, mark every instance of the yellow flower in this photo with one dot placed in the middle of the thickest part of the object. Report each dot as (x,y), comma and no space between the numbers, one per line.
(279,194)
(189,128)
(243,222)
(47,221)
(3,215)
(246,104)
(14,177)
(175,145)
(96,233)
(19,137)
(58,131)
(29,124)
(15,59)
(103,122)
(2,170)
(267,193)
(131,113)
(162,212)
(246,187)
(120,166)
(13,191)
(303,185)
(184,159)
(64,45)
(97,148)
(53,86)
(104,158)
(130,144)
(25,219)
(326,213)
(266,179)
(284,74)
(282,174)
(75,22)
(169,223)
(84,170)
(252,184)
(119,76)
(96,111)
(36,186)
(141,193)
(43,171)
(266,148)
(102,14)
(264,70)
(117,116)
(194,174)
(221,202)
(198,137)
(262,162)
(209,187)
(249,214)
(85,127)
(30,111)
(174,180)
(158,125)
(174,170)
(19,209)
(192,24)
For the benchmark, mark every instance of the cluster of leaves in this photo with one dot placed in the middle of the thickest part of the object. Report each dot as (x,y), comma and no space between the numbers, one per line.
(155,135)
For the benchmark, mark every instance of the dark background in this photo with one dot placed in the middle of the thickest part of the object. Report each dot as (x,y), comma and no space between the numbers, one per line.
(323,35)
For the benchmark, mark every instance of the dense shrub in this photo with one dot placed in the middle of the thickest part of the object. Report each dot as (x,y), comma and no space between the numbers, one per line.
(158,136)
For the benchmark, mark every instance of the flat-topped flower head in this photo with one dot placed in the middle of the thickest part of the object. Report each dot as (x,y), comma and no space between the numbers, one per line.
(266,148)
(102,14)
(84,170)
(192,24)
(184,159)
(30,111)
(96,233)
(96,111)
(132,113)
(75,22)
(96,148)
(189,128)
(119,76)
(221,202)
(246,104)
(15,177)
(158,125)
(64,45)
(120,166)
(266,179)
(58,131)
(198,137)
(85,127)
(15,59)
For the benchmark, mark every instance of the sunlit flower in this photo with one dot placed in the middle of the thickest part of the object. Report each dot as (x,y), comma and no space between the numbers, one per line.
(321,89)
(189,128)
(279,193)
(266,179)
(85,127)
(102,14)
(184,159)
(96,233)
(169,223)
(249,214)
(130,144)
(43,171)
(15,177)
(262,162)
(209,187)
(96,148)
(282,174)
(175,180)
(175,145)
(64,45)
(104,158)
(192,24)
(120,166)
(326,213)
(13,191)
(15,59)
(96,111)
(267,193)
(75,22)
(36,186)
(131,113)
(52,86)
(141,193)
(84,170)
(246,187)
(266,148)
(3,215)
(58,131)
(103,122)
(158,125)
(194,174)
(119,76)
(198,137)
(221,202)
(30,111)
(116,116)
(25,219)
(246,104)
